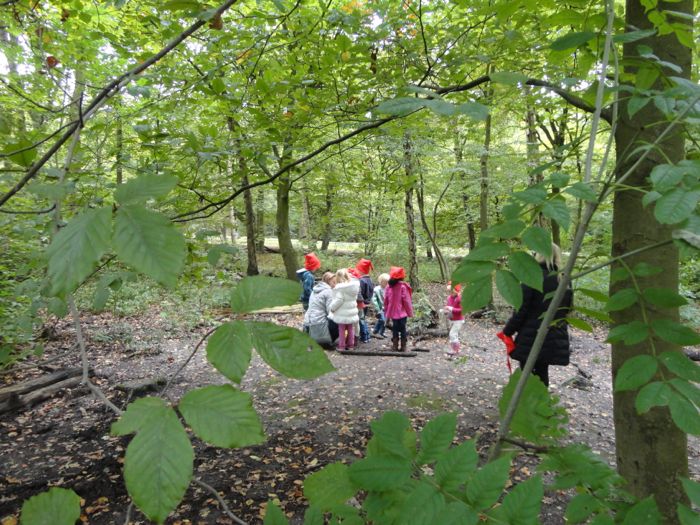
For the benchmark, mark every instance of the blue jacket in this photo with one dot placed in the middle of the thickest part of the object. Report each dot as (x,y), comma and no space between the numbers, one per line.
(307,281)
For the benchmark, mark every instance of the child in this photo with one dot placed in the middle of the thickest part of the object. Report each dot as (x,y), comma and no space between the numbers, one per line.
(363,267)
(453,309)
(343,308)
(306,276)
(378,303)
(398,306)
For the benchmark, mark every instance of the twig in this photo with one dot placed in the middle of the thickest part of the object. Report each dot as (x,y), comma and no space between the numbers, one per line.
(97,391)
(621,257)
(221,501)
(127,519)
(526,446)
(187,361)
(29,212)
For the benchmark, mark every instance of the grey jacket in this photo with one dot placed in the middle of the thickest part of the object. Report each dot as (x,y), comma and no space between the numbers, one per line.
(319,304)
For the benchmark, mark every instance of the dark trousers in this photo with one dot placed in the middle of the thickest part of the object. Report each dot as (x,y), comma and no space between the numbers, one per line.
(333,330)
(540,370)
(398,328)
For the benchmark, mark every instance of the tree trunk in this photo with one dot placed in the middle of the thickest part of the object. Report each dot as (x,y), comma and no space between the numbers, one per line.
(432,234)
(284,236)
(484,183)
(459,158)
(252,268)
(260,220)
(651,450)
(305,231)
(408,207)
(119,165)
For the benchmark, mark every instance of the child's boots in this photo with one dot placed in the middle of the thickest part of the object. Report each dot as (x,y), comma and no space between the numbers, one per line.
(454,349)
(404,341)
(395,344)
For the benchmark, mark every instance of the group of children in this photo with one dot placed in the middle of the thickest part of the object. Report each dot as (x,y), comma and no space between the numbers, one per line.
(337,307)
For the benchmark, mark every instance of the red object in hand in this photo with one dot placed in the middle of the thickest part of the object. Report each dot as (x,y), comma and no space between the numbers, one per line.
(507,340)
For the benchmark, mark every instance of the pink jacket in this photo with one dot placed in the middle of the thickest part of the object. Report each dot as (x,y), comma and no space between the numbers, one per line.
(397,301)
(455,301)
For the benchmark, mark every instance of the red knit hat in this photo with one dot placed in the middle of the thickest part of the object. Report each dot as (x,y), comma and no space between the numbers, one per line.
(396,272)
(364,266)
(311,262)
(457,287)
(354,272)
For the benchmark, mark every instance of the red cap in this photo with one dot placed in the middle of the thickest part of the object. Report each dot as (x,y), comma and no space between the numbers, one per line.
(457,287)
(396,272)
(354,272)
(364,266)
(311,262)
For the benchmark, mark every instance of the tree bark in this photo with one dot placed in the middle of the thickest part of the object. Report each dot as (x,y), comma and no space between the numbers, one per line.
(651,449)
(484,181)
(260,220)
(408,208)
(252,268)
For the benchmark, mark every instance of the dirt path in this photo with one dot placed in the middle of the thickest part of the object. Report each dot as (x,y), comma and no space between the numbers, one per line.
(309,423)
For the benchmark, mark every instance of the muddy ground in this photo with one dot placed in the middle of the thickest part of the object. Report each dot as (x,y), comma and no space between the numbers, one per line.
(65,441)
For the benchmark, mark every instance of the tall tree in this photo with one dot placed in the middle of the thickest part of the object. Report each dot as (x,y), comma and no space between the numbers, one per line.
(651,449)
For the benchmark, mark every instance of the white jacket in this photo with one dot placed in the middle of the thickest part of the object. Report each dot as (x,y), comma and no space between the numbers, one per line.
(344,303)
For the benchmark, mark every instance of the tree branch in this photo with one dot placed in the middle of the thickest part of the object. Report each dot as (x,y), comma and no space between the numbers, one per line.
(107,92)
(221,501)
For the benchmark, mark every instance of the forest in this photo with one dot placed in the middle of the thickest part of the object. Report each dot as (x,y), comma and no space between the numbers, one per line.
(166,166)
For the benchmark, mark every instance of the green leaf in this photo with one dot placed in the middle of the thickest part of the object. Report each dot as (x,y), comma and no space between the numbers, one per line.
(440,107)
(558,179)
(509,287)
(389,433)
(633,36)
(158,464)
(635,104)
(56,506)
(635,372)
(476,294)
(621,300)
(522,503)
(473,110)
(509,78)
(630,333)
(314,516)
(649,197)
(684,414)
(538,418)
(572,40)
(539,240)
(457,513)
(581,507)
(679,364)
(686,515)
(138,414)
(218,85)
(274,515)
(289,351)
(595,314)
(215,252)
(23,158)
(580,324)
(77,248)
(654,394)
(665,177)
(676,206)
(229,350)
(583,191)
(526,269)
(329,487)
(222,416)
(533,195)
(422,505)
(149,242)
(400,106)
(557,210)
(644,512)
(488,252)
(505,230)
(140,189)
(255,293)
(487,484)
(470,271)
(436,438)
(663,297)
(674,332)
(692,489)
(380,472)
(456,466)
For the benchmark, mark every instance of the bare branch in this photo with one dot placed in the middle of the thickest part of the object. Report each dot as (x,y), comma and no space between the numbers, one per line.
(221,501)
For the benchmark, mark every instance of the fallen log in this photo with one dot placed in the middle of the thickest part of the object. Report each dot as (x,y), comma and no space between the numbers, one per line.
(138,386)
(15,401)
(378,353)
(39,382)
(419,349)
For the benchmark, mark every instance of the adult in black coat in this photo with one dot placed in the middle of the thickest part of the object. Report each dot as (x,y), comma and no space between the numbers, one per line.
(527,320)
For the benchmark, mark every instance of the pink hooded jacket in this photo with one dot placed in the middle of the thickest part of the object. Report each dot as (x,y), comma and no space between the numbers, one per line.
(397,301)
